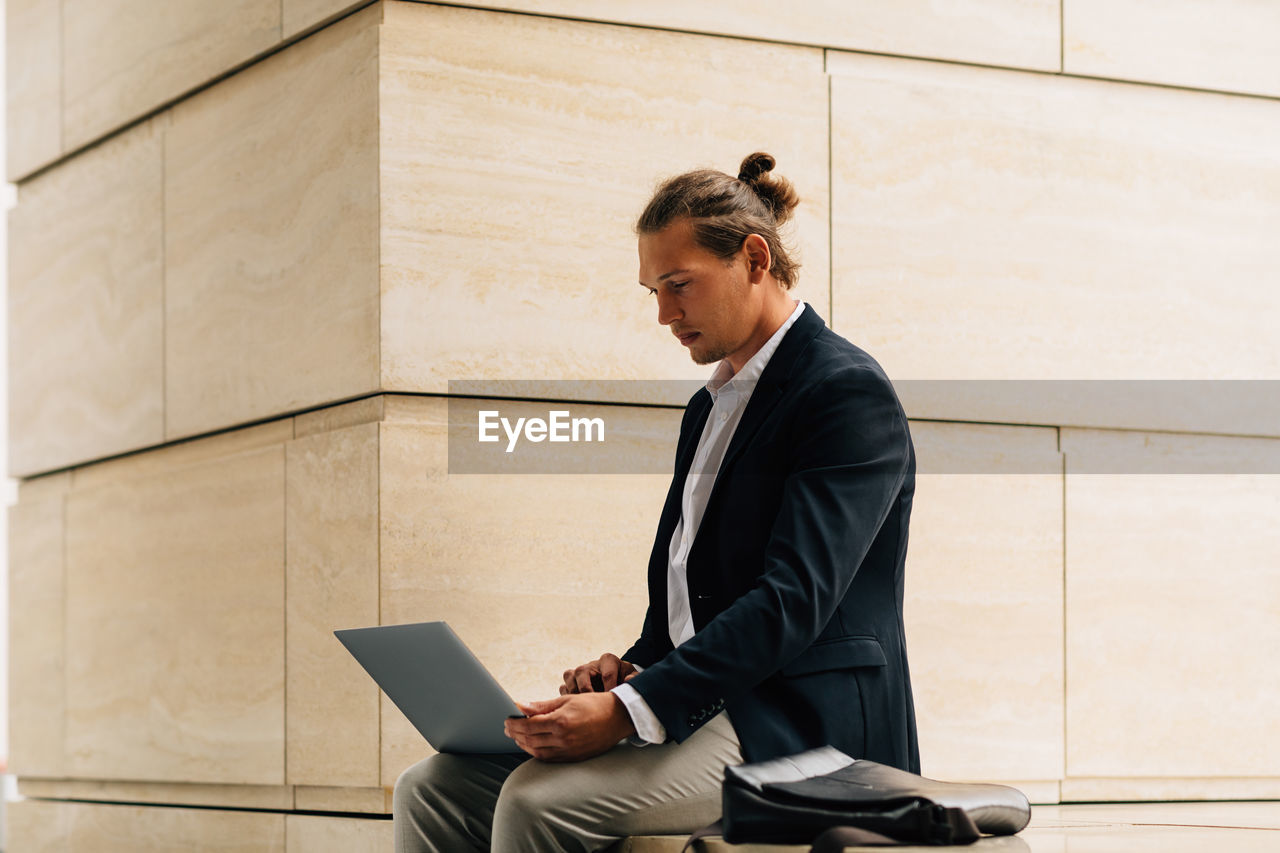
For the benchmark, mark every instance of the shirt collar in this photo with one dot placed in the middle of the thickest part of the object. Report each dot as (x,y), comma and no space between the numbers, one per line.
(725,381)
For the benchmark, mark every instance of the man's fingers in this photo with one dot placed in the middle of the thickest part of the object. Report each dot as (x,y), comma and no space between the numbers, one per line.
(534,726)
(527,739)
(570,682)
(538,748)
(553,754)
(599,676)
(583,678)
(609,667)
(535,737)
(542,707)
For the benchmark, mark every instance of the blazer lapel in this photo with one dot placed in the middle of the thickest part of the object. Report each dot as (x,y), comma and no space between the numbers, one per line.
(686,449)
(769,387)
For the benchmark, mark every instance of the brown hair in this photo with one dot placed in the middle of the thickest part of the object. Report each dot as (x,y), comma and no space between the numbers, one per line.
(723,211)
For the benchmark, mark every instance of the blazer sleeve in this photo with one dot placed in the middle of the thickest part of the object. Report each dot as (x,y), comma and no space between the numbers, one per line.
(649,648)
(845,468)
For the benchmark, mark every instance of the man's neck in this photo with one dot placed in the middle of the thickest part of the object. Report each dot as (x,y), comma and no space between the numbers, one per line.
(775,314)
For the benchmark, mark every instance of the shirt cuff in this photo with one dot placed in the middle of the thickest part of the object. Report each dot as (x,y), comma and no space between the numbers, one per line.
(648,728)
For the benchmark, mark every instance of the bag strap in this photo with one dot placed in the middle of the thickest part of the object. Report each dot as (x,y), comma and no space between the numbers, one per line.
(835,839)
(963,829)
(959,828)
(716,828)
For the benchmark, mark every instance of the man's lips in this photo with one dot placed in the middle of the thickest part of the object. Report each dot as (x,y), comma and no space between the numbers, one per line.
(688,337)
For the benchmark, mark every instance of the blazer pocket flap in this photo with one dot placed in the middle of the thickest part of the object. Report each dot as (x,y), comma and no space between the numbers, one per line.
(837,654)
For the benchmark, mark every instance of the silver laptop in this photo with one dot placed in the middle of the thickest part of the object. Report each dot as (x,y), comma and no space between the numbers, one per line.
(435,681)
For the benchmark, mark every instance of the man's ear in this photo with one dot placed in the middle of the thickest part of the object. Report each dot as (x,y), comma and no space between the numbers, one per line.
(759,259)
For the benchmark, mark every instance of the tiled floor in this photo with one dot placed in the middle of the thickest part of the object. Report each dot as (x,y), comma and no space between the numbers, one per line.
(1118,827)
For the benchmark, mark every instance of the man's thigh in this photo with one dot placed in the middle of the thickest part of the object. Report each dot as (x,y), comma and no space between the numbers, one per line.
(667,788)
(446,802)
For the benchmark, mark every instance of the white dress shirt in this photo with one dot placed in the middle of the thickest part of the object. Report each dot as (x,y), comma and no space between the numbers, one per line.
(730,394)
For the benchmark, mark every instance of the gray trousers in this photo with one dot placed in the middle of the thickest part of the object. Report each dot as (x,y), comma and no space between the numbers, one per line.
(509,803)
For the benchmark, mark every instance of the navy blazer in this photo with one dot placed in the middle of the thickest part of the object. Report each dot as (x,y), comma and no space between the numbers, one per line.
(796,573)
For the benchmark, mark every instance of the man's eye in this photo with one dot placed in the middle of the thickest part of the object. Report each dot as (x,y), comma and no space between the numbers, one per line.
(675,285)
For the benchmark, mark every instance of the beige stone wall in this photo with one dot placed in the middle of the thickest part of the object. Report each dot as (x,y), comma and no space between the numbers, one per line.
(255,241)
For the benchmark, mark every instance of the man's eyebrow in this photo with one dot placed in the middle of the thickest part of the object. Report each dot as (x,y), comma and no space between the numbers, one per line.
(667,275)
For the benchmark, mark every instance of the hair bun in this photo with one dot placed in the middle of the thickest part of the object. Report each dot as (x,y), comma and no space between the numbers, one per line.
(776,192)
(755,165)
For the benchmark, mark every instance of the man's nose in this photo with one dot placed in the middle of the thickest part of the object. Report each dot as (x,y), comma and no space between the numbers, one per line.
(668,313)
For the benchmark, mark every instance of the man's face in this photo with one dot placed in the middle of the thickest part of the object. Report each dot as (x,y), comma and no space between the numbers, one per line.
(709,304)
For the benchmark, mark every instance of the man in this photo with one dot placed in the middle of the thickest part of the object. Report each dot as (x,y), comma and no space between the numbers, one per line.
(776,577)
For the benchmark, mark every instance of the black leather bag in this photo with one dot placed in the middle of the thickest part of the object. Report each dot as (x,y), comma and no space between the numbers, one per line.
(825,798)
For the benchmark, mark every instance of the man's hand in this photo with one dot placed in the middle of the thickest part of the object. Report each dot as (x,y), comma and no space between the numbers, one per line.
(599,676)
(571,728)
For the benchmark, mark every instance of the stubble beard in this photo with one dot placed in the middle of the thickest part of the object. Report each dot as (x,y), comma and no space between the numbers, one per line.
(716,351)
(708,357)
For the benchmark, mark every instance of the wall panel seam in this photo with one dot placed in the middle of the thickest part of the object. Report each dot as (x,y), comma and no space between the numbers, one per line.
(377,160)
(610,23)
(64,500)
(373,816)
(284,618)
(281,416)
(1063,462)
(1062,36)
(1056,74)
(62,82)
(223,430)
(831,197)
(377,532)
(163,130)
